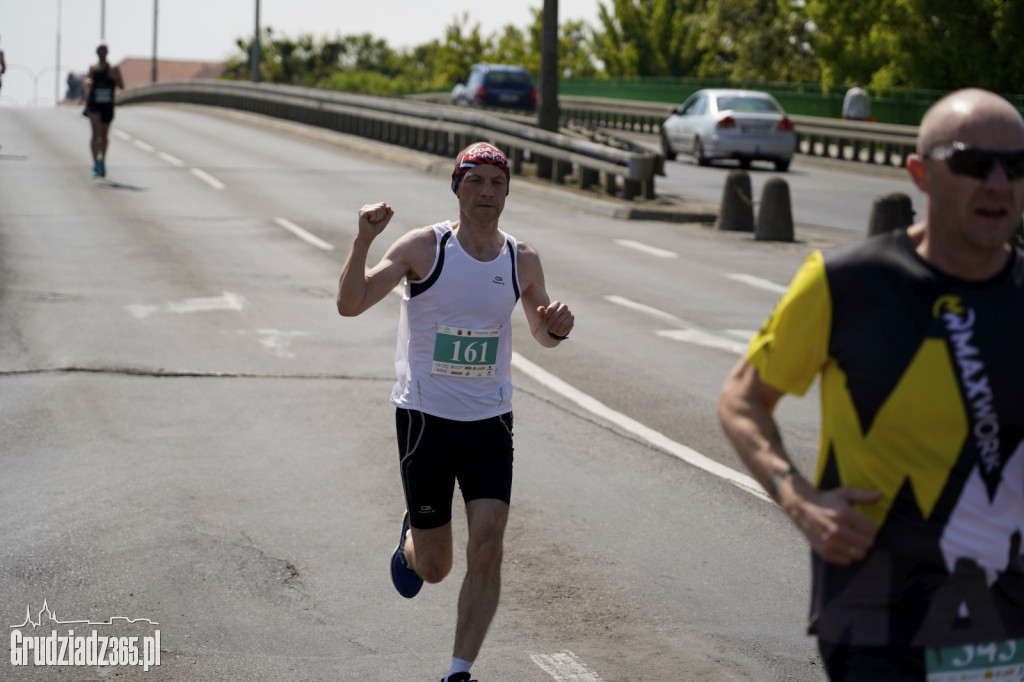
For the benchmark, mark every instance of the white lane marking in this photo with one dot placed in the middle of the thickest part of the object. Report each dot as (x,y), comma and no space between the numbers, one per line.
(565,667)
(207,178)
(226,301)
(275,340)
(644,433)
(303,234)
(646,248)
(745,334)
(690,332)
(140,311)
(703,338)
(173,160)
(758,282)
(649,311)
(146,147)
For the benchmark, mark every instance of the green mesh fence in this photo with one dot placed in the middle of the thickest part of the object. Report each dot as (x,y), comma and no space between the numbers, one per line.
(802,99)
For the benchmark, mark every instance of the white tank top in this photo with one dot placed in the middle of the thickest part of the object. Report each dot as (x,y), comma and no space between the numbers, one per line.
(454,352)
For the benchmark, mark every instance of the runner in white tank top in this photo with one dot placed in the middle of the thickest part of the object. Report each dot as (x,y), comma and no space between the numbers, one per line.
(454,389)
(454,335)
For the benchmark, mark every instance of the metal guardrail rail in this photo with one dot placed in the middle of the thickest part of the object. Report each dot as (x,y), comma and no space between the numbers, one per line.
(879,143)
(428,127)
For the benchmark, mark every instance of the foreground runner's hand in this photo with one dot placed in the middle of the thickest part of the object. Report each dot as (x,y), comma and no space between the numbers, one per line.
(373,218)
(557,318)
(837,532)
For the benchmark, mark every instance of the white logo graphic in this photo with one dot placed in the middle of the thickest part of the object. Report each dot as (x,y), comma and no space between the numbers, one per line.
(92,649)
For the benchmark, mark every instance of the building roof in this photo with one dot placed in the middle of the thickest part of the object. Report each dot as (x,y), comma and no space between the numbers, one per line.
(139,70)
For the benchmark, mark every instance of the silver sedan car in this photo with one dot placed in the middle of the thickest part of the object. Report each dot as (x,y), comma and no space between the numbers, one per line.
(745,125)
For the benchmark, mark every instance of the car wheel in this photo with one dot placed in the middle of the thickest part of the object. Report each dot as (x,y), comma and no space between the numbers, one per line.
(782,165)
(698,153)
(666,147)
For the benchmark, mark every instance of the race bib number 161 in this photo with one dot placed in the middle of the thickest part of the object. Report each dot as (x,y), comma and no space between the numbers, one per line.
(465,352)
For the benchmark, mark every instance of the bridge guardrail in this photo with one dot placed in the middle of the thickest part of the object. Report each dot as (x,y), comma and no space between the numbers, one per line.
(427,127)
(867,142)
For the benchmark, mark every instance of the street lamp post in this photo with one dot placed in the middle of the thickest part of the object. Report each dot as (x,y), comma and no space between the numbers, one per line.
(35,76)
(156,11)
(56,75)
(254,57)
(547,111)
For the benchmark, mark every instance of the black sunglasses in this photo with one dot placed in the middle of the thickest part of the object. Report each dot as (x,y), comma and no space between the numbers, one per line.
(977,162)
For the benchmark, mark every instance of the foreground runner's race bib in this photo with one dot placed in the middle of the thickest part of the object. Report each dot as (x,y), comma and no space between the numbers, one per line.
(103,95)
(1002,661)
(465,352)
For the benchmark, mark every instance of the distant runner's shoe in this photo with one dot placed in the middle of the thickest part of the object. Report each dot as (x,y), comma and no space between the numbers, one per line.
(103,168)
(459,677)
(405,579)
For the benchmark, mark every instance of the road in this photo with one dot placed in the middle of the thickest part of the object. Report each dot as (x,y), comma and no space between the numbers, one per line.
(826,194)
(192,436)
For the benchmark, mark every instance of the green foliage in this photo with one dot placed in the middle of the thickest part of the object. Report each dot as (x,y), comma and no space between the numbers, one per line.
(882,44)
(939,44)
(650,37)
(758,40)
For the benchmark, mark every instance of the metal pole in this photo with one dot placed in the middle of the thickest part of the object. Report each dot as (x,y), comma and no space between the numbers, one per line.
(156,11)
(254,57)
(548,114)
(103,21)
(56,74)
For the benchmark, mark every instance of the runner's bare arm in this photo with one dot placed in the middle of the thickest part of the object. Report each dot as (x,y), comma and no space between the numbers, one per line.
(360,289)
(835,530)
(547,319)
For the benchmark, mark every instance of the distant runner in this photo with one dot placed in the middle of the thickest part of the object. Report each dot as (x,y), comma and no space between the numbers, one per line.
(100,84)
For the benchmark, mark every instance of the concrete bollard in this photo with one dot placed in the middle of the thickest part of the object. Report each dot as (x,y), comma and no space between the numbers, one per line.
(775,219)
(737,212)
(890,212)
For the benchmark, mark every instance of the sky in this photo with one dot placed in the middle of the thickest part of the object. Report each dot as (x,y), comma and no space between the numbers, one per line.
(206,30)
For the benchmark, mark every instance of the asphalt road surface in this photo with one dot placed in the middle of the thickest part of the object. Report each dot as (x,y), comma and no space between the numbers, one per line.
(194,443)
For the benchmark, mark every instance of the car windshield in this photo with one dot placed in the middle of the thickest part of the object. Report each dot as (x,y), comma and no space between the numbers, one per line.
(509,78)
(744,103)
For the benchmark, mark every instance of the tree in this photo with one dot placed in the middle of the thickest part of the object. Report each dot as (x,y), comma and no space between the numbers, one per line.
(956,44)
(650,37)
(855,41)
(758,40)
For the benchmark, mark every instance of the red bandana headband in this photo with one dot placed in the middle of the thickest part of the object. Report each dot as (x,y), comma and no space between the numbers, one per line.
(475,155)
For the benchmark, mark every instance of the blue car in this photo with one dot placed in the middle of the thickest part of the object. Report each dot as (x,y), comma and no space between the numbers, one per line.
(497,85)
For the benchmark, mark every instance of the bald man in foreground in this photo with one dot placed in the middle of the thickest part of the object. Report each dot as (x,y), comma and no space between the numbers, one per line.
(915,513)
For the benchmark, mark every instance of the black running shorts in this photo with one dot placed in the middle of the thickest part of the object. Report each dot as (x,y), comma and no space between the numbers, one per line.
(435,452)
(106,111)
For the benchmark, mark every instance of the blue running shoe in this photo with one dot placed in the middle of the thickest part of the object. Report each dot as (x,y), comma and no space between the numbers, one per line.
(103,168)
(405,579)
(95,169)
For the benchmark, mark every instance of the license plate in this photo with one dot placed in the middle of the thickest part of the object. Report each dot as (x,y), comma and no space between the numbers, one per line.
(755,130)
(508,98)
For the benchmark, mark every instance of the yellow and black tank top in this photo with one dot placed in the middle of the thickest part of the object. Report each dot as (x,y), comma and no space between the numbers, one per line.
(922,398)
